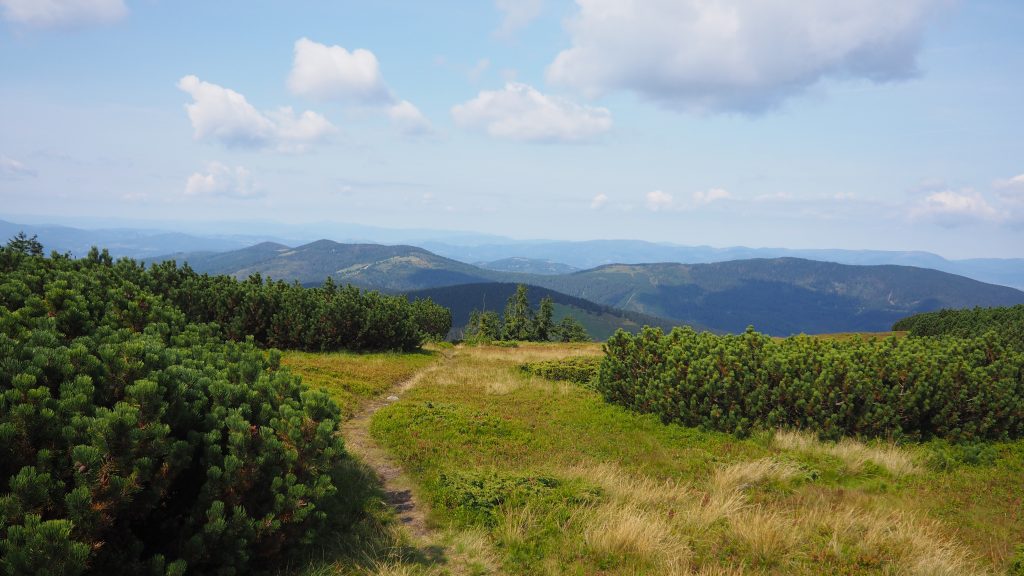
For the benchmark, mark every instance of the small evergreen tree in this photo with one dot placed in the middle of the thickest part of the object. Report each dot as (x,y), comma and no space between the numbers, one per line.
(22,244)
(569,329)
(518,321)
(544,324)
(483,327)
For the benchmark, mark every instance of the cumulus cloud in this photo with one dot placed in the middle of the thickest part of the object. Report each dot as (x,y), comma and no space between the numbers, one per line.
(736,55)
(517,14)
(12,169)
(1011,190)
(332,72)
(520,112)
(222,180)
(59,13)
(658,200)
(222,114)
(323,72)
(705,197)
(952,208)
(408,118)
(599,201)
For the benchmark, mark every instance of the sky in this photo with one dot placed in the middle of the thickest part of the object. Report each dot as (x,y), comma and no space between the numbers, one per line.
(868,124)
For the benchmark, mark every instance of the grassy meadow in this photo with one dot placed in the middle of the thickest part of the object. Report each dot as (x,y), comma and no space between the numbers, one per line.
(523,475)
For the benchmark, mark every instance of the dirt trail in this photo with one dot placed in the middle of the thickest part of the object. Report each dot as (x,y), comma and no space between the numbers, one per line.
(398,487)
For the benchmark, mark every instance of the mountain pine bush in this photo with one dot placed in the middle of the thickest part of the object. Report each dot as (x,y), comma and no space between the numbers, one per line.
(144,431)
(917,388)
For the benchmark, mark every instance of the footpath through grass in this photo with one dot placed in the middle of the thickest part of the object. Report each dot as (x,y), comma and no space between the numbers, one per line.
(560,482)
(351,378)
(377,545)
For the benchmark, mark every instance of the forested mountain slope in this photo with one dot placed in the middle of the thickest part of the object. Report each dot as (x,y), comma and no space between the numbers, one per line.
(778,296)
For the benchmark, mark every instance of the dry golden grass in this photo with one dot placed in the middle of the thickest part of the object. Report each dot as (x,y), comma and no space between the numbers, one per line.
(746,510)
(769,536)
(627,530)
(743,475)
(532,352)
(854,454)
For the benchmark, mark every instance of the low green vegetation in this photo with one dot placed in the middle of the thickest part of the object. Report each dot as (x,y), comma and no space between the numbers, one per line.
(520,323)
(581,370)
(1007,323)
(137,438)
(351,378)
(916,388)
(561,482)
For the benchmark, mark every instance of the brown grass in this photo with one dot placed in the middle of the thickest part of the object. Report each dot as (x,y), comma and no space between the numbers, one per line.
(854,454)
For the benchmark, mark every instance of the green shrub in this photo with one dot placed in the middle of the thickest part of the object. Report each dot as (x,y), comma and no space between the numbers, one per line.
(578,369)
(1007,323)
(962,389)
(134,441)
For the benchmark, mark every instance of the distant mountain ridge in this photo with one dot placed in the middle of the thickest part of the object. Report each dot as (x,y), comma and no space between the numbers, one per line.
(389,268)
(489,251)
(599,320)
(592,253)
(781,295)
(778,296)
(527,266)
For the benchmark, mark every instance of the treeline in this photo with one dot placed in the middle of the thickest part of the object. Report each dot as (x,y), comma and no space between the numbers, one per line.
(136,439)
(521,323)
(917,388)
(1006,322)
(275,313)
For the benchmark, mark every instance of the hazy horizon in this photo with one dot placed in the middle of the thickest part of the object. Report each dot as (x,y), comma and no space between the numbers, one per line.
(795,125)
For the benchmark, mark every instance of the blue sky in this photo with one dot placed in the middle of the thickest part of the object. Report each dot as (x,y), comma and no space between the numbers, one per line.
(780,123)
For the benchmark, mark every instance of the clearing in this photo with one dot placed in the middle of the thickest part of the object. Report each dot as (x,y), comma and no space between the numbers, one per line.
(495,471)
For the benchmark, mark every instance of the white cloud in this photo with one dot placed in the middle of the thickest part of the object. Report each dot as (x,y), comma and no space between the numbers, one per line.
(58,13)
(222,180)
(1011,190)
(517,14)
(323,72)
(11,168)
(599,201)
(409,119)
(520,112)
(736,55)
(951,208)
(705,197)
(225,115)
(658,200)
(332,72)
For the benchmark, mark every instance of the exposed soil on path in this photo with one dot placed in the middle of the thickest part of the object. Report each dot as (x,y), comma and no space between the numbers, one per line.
(398,488)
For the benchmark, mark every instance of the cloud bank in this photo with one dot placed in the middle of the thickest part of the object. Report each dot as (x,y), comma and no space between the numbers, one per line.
(744,56)
(521,112)
(224,115)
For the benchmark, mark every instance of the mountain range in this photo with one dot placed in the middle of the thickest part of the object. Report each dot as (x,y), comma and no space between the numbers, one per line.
(128,238)
(777,295)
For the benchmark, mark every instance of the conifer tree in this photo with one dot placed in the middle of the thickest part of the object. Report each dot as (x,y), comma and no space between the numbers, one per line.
(544,324)
(518,321)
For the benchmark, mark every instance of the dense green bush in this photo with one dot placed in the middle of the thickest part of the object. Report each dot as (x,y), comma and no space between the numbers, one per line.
(578,369)
(960,389)
(289,316)
(1008,323)
(134,440)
